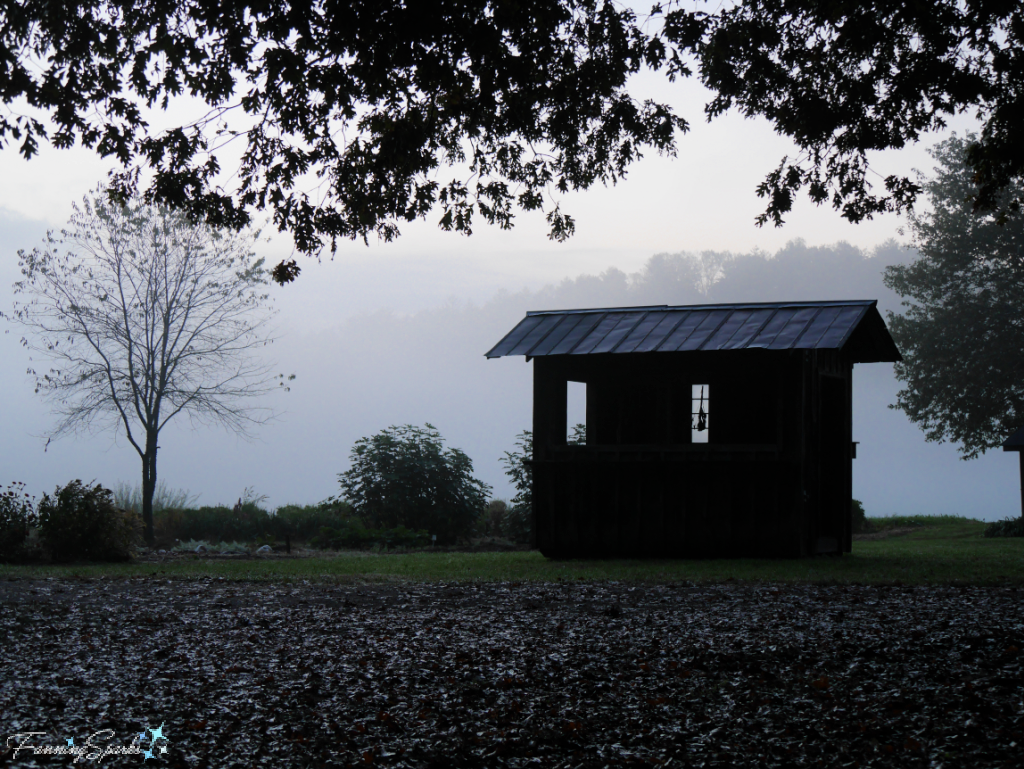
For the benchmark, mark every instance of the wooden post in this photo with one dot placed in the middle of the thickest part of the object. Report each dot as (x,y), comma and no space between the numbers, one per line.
(1016,443)
(549,406)
(549,430)
(1021,455)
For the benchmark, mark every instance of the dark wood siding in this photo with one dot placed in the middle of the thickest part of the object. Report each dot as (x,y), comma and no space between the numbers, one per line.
(773,481)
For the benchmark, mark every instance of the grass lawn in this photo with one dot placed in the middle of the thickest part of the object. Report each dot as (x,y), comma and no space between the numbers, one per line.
(912,551)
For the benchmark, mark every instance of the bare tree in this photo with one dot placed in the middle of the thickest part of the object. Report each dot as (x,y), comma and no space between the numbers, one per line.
(145,315)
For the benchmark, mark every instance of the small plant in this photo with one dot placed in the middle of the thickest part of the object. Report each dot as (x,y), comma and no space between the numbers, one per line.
(83,522)
(194,545)
(230,547)
(1010,527)
(250,497)
(860,520)
(265,539)
(190,546)
(17,517)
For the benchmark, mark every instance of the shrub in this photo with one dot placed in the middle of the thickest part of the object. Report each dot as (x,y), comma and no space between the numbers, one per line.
(1010,527)
(221,547)
(496,510)
(17,516)
(517,523)
(578,435)
(860,520)
(250,523)
(356,536)
(82,522)
(304,522)
(218,523)
(404,476)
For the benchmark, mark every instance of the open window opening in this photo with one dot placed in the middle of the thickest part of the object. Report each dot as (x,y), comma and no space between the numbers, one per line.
(576,413)
(700,395)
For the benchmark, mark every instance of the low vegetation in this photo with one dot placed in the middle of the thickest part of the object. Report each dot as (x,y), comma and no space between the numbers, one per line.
(1010,527)
(909,550)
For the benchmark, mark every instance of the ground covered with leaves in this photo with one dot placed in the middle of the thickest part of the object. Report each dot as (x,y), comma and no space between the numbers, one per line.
(495,675)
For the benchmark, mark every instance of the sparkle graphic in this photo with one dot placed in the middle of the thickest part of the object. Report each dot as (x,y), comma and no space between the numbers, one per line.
(155,736)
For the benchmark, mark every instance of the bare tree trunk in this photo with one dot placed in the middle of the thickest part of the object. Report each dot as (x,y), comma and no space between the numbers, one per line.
(149,486)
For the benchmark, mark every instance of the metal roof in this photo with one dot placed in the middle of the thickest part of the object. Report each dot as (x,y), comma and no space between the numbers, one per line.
(852,325)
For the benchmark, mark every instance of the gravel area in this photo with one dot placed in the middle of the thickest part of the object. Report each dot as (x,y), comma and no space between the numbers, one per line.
(226,674)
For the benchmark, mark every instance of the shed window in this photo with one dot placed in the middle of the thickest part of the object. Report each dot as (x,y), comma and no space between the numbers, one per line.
(700,398)
(576,412)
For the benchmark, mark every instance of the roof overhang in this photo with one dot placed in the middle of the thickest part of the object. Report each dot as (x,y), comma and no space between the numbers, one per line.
(1015,442)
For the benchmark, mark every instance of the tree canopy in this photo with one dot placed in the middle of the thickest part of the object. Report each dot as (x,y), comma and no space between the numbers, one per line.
(844,77)
(347,113)
(962,333)
(361,102)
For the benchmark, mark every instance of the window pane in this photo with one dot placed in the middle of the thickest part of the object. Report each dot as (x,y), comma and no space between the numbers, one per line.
(699,394)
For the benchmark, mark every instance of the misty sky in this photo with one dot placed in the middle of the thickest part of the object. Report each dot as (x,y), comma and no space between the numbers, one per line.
(395,333)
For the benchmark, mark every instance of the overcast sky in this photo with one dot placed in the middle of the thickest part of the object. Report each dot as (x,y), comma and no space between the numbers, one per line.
(341,329)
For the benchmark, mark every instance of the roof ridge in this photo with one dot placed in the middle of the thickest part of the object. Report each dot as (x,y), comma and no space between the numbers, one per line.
(719,306)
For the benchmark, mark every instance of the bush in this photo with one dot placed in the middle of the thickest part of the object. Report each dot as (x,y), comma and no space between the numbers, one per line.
(517,523)
(304,522)
(403,476)
(218,523)
(249,522)
(356,536)
(1010,527)
(17,516)
(496,510)
(860,520)
(82,522)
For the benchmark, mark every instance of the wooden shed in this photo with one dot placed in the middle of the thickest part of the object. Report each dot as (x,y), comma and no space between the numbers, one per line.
(712,430)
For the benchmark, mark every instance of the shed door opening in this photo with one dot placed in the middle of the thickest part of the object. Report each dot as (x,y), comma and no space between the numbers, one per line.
(700,398)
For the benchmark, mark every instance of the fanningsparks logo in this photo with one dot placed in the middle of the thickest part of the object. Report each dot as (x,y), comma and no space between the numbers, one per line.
(149,743)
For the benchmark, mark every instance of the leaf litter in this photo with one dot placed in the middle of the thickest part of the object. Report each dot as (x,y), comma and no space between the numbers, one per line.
(516,675)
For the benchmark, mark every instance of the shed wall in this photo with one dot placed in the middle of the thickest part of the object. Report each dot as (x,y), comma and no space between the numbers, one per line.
(774,481)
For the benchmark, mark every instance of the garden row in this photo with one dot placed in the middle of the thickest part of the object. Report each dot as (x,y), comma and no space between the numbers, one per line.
(404,489)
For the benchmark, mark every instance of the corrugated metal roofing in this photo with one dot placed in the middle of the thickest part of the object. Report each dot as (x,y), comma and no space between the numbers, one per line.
(769,326)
